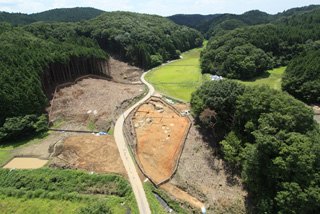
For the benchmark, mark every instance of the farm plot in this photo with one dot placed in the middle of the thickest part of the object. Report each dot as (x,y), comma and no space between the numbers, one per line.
(179,78)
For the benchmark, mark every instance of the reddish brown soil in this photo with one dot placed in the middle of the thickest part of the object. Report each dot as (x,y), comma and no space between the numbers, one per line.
(181,195)
(92,153)
(160,136)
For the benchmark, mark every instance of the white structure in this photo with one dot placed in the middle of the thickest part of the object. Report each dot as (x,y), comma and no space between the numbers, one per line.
(215,77)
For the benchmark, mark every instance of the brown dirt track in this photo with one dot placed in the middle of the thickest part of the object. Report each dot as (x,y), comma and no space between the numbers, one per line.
(160,134)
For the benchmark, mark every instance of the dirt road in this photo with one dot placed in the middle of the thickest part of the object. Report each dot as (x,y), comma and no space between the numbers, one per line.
(128,163)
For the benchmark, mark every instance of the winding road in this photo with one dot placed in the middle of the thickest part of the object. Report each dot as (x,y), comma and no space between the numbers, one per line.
(128,163)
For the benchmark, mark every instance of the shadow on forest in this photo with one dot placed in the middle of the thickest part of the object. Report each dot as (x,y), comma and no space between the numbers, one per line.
(264,75)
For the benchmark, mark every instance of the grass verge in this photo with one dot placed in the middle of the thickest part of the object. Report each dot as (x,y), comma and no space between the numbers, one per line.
(155,205)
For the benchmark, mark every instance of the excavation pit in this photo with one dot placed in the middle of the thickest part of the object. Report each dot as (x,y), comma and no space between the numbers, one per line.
(160,133)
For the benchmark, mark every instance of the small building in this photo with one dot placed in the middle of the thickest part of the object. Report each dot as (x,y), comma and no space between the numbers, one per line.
(216,77)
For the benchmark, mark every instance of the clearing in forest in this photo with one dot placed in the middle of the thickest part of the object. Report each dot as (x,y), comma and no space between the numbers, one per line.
(271,78)
(179,78)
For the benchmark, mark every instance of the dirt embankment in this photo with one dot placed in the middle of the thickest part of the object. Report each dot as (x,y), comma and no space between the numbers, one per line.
(119,69)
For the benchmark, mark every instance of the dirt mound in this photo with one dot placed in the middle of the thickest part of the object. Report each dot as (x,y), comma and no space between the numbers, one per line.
(92,153)
(160,134)
(118,69)
(93,102)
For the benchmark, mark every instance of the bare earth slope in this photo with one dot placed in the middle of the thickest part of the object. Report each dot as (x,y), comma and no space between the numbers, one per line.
(93,100)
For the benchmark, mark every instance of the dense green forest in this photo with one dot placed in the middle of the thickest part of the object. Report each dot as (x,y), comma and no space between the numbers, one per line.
(270,137)
(35,58)
(210,25)
(143,40)
(192,20)
(302,77)
(247,52)
(56,15)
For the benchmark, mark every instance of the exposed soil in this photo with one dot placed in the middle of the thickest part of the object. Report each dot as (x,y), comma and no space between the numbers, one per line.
(202,174)
(92,153)
(181,195)
(160,134)
(118,69)
(316,110)
(88,104)
(25,163)
(93,102)
(48,146)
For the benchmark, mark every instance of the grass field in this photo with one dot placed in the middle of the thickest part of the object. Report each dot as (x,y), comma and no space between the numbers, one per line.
(179,78)
(182,77)
(271,78)
(38,205)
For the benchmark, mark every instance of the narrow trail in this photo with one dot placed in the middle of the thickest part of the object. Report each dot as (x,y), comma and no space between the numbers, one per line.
(128,163)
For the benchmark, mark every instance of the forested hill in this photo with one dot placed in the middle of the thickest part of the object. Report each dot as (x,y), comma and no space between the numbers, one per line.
(247,52)
(210,25)
(232,21)
(192,20)
(35,58)
(143,40)
(56,15)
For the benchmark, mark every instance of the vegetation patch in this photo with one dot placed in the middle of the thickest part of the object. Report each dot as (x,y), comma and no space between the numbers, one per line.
(302,77)
(271,78)
(155,204)
(37,205)
(180,78)
(270,137)
(105,192)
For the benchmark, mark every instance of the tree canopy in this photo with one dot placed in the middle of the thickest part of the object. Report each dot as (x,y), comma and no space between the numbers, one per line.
(273,139)
(56,15)
(302,76)
(141,39)
(247,52)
